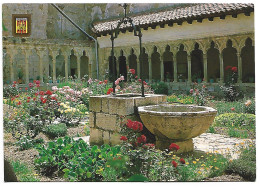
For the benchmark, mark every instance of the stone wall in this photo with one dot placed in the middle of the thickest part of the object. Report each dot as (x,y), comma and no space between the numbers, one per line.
(108,113)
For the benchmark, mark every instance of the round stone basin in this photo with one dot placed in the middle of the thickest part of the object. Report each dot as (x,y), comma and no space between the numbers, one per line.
(176,123)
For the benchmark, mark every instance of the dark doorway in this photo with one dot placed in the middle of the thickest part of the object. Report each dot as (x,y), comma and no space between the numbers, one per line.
(122,66)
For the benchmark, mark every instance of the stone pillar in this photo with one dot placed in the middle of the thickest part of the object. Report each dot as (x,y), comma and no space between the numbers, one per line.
(27,52)
(138,66)
(40,52)
(221,67)
(205,66)
(127,66)
(162,68)
(54,54)
(175,69)
(78,66)
(11,51)
(66,59)
(189,67)
(239,68)
(150,68)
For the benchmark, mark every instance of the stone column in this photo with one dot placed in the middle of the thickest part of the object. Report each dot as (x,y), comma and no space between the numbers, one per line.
(138,66)
(221,66)
(78,64)
(175,69)
(189,67)
(239,68)
(66,59)
(150,68)
(27,52)
(11,52)
(54,53)
(127,66)
(205,66)
(162,68)
(40,52)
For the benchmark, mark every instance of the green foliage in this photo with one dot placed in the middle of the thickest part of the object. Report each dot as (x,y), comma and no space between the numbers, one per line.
(26,142)
(56,130)
(138,178)
(245,165)
(236,120)
(10,91)
(76,159)
(239,106)
(160,88)
(183,99)
(23,172)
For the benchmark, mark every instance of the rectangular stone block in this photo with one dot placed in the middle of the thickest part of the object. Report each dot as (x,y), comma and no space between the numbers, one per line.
(92,119)
(115,139)
(95,103)
(105,105)
(106,137)
(107,121)
(145,101)
(121,106)
(96,137)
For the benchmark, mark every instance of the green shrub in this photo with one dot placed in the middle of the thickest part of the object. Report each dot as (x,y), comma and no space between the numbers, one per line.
(75,159)
(56,130)
(23,172)
(183,99)
(235,120)
(26,142)
(239,106)
(245,165)
(160,88)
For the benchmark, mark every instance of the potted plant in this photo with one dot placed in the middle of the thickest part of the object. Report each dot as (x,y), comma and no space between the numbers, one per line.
(58,79)
(168,76)
(211,80)
(180,78)
(20,76)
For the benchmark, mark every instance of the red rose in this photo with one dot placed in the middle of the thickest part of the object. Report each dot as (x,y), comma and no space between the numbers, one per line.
(34,81)
(28,101)
(234,69)
(26,88)
(191,91)
(228,68)
(149,145)
(41,93)
(105,81)
(110,90)
(19,103)
(129,124)
(141,139)
(174,146)
(43,100)
(12,99)
(100,82)
(132,71)
(233,109)
(28,97)
(174,164)
(37,82)
(204,86)
(182,161)
(14,82)
(30,85)
(13,85)
(37,85)
(144,83)
(34,99)
(54,98)
(48,92)
(123,138)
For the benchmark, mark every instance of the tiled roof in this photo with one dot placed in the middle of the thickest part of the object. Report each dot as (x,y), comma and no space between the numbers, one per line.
(192,12)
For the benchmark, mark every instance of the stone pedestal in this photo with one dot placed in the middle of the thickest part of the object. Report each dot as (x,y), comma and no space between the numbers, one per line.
(185,145)
(108,113)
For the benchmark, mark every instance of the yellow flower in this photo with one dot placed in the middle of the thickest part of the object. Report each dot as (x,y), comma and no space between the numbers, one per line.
(187,163)
(203,165)
(201,156)
(199,172)
(216,168)
(108,166)
(210,166)
(194,162)
(197,159)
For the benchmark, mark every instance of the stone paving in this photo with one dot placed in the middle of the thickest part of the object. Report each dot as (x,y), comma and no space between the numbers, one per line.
(213,143)
(216,143)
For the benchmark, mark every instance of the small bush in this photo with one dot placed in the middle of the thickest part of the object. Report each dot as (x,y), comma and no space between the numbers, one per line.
(57,130)
(245,166)
(160,88)
(26,142)
(23,172)
(236,120)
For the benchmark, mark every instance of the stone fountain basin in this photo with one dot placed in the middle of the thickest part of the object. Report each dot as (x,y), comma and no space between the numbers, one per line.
(176,122)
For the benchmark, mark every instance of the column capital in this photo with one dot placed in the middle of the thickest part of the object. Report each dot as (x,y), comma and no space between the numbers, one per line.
(41,51)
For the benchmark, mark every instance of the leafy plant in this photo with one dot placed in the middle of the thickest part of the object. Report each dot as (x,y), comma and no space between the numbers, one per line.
(56,130)
(23,172)
(75,159)
(245,165)
(26,143)
(160,88)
